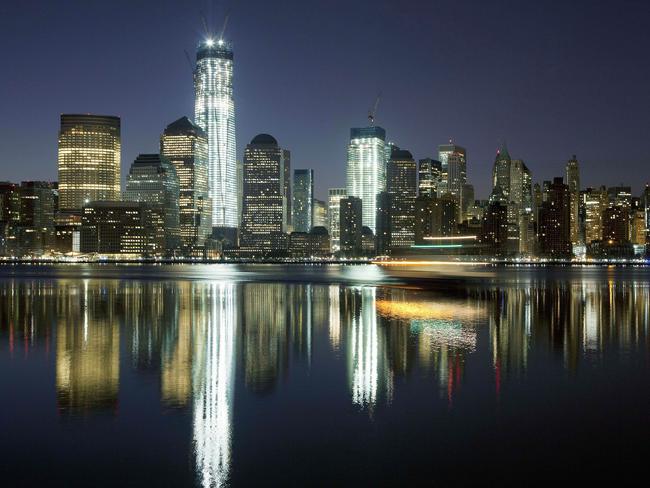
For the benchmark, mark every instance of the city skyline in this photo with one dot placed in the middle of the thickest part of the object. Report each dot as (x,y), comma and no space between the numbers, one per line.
(565,128)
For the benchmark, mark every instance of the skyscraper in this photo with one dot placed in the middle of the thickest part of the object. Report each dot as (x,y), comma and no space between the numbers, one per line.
(215,114)
(350,225)
(89,160)
(334,216)
(152,179)
(320,214)
(401,185)
(264,211)
(594,202)
(573,181)
(453,164)
(303,200)
(185,145)
(366,169)
(429,171)
(501,171)
(555,221)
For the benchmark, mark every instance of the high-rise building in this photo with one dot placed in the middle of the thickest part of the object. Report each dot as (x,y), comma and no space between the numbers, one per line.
(620,196)
(616,225)
(594,202)
(34,230)
(383,223)
(334,216)
(264,211)
(320,214)
(303,200)
(401,184)
(89,160)
(467,200)
(555,221)
(116,227)
(366,169)
(152,179)
(429,171)
(351,211)
(215,114)
(494,228)
(185,145)
(453,163)
(501,171)
(573,181)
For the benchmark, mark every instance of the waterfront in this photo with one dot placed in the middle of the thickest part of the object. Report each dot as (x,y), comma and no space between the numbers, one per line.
(241,375)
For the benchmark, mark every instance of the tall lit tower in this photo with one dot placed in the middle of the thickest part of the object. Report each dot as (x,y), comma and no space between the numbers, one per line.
(366,171)
(573,180)
(89,159)
(215,114)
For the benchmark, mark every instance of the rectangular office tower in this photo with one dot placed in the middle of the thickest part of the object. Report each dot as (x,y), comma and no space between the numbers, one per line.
(429,171)
(303,198)
(264,211)
(366,169)
(334,216)
(152,179)
(453,171)
(215,114)
(89,160)
(185,145)
(401,185)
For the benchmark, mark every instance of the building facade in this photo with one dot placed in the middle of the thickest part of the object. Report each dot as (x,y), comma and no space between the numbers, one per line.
(366,169)
(453,173)
(401,184)
(303,200)
(264,211)
(88,160)
(152,179)
(351,226)
(334,216)
(214,112)
(185,145)
(429,172)
(573,181)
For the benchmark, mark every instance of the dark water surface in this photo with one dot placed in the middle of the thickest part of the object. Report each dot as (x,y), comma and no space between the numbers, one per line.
(226,375)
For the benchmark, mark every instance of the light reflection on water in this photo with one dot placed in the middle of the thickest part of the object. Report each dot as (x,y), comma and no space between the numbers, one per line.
(207,341)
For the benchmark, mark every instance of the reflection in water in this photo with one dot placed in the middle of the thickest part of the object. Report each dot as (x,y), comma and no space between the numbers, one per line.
(196,335)
(213,379)
(87,351)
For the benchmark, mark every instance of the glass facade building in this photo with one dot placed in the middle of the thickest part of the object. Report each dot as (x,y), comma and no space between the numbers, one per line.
(264,211)
(88,160)
(215,114)
(366,169)
(185,145)
(453,171)
(334,216)
(402,187)
(152,179)
(303,200)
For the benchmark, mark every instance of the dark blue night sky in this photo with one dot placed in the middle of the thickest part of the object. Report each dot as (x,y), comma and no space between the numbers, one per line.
(553,78)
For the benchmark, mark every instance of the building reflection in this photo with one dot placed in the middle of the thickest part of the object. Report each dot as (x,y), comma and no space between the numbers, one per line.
(213,375)
(193,336)
(87,348)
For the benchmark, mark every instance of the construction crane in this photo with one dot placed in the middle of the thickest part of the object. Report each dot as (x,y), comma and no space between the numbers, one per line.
(372,113)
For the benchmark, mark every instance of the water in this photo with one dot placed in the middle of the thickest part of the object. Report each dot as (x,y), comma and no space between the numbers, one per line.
(231,375)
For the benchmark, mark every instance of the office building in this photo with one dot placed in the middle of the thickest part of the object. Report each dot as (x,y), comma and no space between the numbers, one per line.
(320,214)
(573,181)
(34,231)
(264,211)
(351,211)
(429,173)
(383,223)
(185,145)
(334,216)
(401,185)
(116,227)
(555,221)
(214,112)
(303,200)
(594,202)
(315,243)
(453,163)
(152,179)
(366,169)
(89,160)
